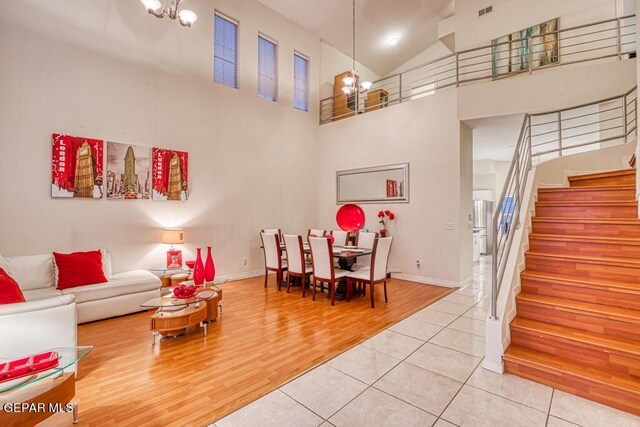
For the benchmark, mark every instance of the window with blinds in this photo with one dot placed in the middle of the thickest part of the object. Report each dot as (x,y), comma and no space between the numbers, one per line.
(225,51)
(267,69)
(300,82)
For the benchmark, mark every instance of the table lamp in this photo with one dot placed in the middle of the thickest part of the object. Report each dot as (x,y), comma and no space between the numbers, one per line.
(173,236)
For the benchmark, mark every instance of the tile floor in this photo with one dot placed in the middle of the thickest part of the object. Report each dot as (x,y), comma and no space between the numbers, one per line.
(423,371)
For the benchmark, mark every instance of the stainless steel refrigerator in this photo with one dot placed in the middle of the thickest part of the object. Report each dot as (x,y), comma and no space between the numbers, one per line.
(483,224)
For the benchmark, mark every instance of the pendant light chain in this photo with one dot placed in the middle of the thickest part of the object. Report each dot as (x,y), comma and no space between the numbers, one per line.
(354,38)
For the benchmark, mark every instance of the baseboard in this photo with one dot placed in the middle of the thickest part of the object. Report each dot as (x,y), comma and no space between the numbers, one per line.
(240,276)
(429,280)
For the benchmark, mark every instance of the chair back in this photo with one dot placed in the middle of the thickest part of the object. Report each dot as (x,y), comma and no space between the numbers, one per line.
(380,257)
(340,237)
(365,240)
(273,231)
(319,233)
(322,258)
(272,251)
(295,253)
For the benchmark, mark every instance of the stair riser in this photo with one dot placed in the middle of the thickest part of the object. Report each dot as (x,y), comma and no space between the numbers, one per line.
(587,230)
(608,395)
(584,248)
(586,196)
(626,363)
(581,321)
(582,292)
(586,211)
(606,180)
(584,270)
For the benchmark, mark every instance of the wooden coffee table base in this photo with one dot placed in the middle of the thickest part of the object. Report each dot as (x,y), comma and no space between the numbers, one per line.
(174,323)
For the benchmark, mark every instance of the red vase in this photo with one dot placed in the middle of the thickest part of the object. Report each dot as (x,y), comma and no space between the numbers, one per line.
(209,267)
(198,270)
(383,232)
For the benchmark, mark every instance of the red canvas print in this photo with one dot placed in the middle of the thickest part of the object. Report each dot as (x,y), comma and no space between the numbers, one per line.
(169,171)
(76,167)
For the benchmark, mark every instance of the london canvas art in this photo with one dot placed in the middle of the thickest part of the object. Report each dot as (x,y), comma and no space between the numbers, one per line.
(128,171)
(76,167)
(169,171)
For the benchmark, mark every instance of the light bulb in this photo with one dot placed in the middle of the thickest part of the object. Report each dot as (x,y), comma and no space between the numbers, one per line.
(393,40)
(348,81)
(346,90)
(366,85)
(151,5)
(187,17)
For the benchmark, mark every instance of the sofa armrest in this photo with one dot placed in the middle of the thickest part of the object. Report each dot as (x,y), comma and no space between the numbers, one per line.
(35,326)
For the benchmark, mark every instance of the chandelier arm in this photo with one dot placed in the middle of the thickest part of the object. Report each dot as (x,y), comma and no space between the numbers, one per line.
(156,14)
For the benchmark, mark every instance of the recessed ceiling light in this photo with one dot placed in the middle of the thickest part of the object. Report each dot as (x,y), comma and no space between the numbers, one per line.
(393,40)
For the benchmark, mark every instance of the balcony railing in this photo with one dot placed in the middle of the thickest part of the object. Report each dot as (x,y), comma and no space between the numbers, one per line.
(612,38)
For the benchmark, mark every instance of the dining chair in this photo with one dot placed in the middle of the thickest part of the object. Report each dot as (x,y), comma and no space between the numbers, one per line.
(297,267)
(339,237)
(273,257)
(319,233)
(279,233)
(376,273)
(364,240)
(323,269)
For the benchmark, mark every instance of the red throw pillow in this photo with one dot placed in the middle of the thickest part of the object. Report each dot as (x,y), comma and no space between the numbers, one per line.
(9,290)
(79,269)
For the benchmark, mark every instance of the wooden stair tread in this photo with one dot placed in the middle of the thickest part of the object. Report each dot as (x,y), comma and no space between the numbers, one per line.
(601,260)
(592,309)
(599,203)
(586,189)
(621,172)
(611,221)
(583,282)
(586,239)
(552,363)
(610,344)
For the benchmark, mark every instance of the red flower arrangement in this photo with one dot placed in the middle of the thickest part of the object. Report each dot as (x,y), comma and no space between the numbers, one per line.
(385,217)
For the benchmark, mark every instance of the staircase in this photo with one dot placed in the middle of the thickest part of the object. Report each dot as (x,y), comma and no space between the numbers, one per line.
(578,314)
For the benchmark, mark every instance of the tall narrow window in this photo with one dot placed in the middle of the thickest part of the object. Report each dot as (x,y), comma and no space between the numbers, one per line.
(267,69)
(300,82)
(225,51)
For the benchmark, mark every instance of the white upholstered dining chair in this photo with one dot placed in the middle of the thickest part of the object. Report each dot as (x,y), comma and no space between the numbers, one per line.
(319,233)
(376,273)
(297,267)
(273,257)
(364,240)
(340,237)
(323,269)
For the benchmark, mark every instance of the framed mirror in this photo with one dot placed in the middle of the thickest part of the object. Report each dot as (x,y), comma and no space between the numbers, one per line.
(387,183)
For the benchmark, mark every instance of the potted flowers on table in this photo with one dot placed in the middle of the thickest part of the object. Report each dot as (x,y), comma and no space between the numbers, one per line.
(384,218)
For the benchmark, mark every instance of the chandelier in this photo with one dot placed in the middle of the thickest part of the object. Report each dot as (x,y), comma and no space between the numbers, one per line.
(351,81)
(185,17)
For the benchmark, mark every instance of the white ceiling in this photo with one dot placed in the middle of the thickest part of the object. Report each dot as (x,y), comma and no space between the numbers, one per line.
(414,22)
(495,138)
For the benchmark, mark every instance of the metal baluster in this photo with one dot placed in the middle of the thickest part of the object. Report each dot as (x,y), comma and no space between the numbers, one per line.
(560,132)
(530,54)
(619,33)
(400,87)
(457,69)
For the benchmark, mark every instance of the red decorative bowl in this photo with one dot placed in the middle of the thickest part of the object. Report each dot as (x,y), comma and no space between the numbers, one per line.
(191,264)
(350,217)
(184,291)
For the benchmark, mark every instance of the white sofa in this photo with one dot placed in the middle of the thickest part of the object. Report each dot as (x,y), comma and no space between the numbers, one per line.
(121,294)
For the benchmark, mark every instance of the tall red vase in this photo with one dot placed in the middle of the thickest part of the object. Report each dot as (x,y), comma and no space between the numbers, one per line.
(198,270)
(209,267)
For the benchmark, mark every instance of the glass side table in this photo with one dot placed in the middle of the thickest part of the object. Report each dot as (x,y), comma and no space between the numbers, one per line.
(53,388)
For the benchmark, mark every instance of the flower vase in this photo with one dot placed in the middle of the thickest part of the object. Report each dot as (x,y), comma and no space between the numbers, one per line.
(209,267)
(198,270)
(383,232)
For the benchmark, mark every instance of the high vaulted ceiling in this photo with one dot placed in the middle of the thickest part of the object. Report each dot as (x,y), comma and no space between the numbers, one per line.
(414,22)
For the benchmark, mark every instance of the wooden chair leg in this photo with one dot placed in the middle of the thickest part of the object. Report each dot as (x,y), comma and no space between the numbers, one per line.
(364,289)
(349,284)
(303,279)
(313,291)
(288,282)
(266,275)
(332,288)
(371,292)
(385,292)
(279,279)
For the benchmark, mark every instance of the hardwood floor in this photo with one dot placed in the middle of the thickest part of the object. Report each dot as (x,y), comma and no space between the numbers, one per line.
(578,313)
(263,339)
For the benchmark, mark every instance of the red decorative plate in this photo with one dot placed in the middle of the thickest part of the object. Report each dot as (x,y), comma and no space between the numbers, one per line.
(28,365)
(350,217)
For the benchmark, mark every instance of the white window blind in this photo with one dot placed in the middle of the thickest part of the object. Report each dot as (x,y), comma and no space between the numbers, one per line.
(300,82)
(267,69)
(225,51)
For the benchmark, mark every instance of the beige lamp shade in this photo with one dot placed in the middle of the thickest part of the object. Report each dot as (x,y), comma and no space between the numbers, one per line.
(172,236)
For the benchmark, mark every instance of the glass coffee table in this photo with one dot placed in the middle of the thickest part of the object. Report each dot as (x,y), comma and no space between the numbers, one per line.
(174,315)
(55,388)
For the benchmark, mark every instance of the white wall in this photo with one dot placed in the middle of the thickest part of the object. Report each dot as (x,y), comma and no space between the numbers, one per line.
(426,134)
(490,175)
(334,62)
(108,70)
